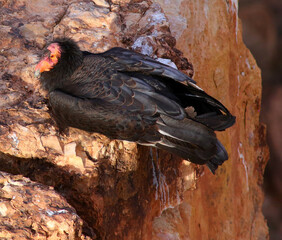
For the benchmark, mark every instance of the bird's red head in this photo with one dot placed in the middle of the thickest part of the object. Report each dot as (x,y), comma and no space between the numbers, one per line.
(49,60)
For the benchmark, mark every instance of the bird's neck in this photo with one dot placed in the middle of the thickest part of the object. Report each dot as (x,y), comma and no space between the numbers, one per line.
(59,75)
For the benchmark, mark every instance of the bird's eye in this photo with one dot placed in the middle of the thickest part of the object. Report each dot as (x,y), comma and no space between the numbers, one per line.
(52,56)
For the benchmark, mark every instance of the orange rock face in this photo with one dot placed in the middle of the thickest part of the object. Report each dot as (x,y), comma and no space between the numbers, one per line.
(229,203)
(122,191)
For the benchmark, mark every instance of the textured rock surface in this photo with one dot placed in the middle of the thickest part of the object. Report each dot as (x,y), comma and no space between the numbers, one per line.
(30,210)
(262,33)
(119,190)
(230,203)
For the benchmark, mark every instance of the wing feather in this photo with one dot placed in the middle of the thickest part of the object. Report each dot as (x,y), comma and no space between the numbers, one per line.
(128,96)
(130,61)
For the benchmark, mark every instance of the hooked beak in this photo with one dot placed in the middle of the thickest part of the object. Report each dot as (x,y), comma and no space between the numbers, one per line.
(44,65)
(37,73)
(49,61)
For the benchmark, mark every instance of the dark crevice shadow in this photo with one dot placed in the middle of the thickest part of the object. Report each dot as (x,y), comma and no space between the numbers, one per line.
(44,172)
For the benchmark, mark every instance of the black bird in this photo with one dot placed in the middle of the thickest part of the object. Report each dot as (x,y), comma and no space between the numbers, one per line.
(129,96)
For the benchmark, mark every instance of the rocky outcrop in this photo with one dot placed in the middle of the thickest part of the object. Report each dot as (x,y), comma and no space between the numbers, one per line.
(231,201)
(30,210)
(122,191)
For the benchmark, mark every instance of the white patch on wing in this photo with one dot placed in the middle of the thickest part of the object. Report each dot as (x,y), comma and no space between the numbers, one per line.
(195,86)
(167,62)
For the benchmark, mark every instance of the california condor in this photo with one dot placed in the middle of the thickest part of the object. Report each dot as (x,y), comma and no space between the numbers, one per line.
(129,96)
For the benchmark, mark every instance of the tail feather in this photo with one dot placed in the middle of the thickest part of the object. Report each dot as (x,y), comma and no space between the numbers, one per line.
(188,153)
(216,122)
(187,131)
(220,157)
(192,141)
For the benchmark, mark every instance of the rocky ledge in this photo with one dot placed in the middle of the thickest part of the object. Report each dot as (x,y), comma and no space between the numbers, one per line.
(105,189)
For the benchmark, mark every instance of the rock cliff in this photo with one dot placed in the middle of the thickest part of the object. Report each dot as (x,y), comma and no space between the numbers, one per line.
(120,190)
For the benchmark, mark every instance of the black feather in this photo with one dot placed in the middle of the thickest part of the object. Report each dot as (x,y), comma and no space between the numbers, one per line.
(128,96)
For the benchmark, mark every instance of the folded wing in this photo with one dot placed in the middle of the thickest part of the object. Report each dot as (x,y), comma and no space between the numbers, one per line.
(129,96)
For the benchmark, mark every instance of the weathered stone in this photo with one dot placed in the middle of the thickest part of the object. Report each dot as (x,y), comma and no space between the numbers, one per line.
(31,31)
(226,69)
(102,3)
(90,25)
(30,210)
(52,143)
